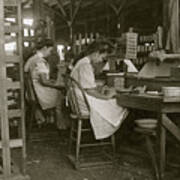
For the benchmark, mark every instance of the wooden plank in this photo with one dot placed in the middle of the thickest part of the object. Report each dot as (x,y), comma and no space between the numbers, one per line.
(116,9)
(13,85)
(139,102)
(10,2)
(15,143)
(32,38)
(12,59)
(10,29)
(10,39)
(60,6)
(162,145)
(171,99)
(14,113)
(171,107)
(168,124)
(76,11)
(3,102)
(16,177)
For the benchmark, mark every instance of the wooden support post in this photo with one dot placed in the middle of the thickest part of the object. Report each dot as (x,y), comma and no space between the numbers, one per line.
(86,38)
(76,10)
(70,22)
(171,7)
(37,10)
(74,44)
(118,10)
(168,124)
(60,5)
(79,43)
(162,146)
(91,37)
(3,102)
(23,132)
(177,35)
(97,36)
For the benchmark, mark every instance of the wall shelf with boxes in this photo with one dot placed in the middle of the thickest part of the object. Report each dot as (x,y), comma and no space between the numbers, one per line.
(147,42)
(12,90)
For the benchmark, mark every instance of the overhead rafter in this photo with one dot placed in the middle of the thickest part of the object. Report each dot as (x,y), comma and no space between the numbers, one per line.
(69,20)
(116,9)
(76,10)
(61,7)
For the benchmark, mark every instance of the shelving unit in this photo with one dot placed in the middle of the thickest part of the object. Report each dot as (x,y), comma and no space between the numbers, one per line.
(146,44)
(12,89)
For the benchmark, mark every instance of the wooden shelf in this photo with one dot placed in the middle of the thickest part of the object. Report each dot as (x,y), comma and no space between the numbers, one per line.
(16,177)
(11,3)
(14,143)
(10,29)
(13,85)
(14,113)
(10,39)
(13,59)
(29,38)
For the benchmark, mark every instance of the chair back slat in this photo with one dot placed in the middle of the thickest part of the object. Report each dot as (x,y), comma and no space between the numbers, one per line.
(72,84)
(30,93)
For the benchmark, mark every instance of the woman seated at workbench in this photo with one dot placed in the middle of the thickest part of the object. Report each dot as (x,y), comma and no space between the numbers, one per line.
(47,91)
(105,115)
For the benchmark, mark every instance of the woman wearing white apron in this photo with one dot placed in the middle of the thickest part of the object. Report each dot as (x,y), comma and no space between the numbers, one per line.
(105,115)
(47,91)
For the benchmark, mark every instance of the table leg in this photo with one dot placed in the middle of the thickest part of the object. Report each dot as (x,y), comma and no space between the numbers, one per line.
(162,147)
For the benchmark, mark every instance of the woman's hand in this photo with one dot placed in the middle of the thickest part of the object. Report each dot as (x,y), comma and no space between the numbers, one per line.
(51,83)
(111,93)
(108,94)
(104,89)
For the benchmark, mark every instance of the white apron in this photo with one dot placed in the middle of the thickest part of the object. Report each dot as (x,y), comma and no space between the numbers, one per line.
(105,115)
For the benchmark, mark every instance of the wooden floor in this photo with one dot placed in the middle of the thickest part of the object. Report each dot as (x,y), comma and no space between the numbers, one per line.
(47,161)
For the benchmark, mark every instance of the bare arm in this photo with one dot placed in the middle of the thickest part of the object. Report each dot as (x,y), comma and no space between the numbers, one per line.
(95,93)
(49,83)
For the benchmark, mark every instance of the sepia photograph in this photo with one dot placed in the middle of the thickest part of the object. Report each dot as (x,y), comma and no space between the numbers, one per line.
(89,89)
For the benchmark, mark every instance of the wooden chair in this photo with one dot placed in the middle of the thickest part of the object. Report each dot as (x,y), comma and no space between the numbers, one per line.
(32,105)
(80,128)
(148,133)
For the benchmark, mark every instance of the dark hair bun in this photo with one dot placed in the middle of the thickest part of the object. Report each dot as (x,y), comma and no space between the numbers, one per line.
(101,46)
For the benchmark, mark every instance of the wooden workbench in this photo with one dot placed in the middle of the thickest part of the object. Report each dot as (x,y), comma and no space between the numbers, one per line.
(155,83)
(160,105)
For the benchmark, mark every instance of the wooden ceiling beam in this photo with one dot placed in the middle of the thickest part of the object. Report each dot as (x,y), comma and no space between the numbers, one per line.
(61,7)
(118,10)
(76,10)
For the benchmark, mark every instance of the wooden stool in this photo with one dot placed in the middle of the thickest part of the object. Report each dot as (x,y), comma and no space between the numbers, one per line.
(148,130)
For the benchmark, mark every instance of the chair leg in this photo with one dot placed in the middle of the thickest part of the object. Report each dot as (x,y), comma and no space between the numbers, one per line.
(152,155)
(31,119)
(113,143)
(78,142)
(70,137)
